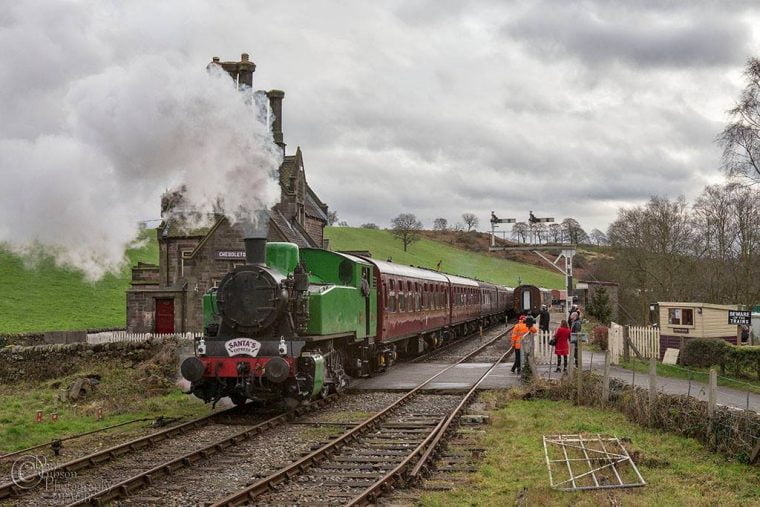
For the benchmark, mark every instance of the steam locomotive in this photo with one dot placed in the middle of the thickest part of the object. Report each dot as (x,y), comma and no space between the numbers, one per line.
(296,323)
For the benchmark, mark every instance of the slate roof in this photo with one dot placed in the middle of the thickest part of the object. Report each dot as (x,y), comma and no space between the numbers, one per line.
(290,230)
(176,227)
(313,207)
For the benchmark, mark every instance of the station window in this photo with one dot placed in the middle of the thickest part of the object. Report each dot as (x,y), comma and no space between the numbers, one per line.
(681,316)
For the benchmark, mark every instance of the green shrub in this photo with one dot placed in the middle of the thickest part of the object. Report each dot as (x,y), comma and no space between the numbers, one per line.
(600,336)
(705,352)
(743,359)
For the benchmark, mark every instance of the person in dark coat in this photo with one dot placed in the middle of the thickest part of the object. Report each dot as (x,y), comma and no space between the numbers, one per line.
(562,343)
(544,318)
(575,333)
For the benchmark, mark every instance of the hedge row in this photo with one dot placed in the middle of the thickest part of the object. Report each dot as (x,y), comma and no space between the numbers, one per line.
(706,352)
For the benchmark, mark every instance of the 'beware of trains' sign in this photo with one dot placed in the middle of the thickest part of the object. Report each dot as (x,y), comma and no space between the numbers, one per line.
(740,317)
(242,347)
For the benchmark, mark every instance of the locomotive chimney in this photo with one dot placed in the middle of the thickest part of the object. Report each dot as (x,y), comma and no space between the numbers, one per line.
(275,103)
(255,238)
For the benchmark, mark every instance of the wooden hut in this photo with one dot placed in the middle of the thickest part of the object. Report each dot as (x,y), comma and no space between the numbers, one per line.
(680,322)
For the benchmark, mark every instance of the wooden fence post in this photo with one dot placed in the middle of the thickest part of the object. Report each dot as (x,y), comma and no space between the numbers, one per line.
(652,388)
(606,380)
(579,370)
(626,348)
(529,354)
(712,396)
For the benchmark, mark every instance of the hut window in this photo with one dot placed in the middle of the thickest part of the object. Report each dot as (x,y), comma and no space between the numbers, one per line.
(681,316)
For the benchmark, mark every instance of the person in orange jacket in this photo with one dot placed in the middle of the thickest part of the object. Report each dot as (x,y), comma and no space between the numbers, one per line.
(523,327)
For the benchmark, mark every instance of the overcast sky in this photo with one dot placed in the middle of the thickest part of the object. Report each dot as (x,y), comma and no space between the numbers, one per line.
(431,107)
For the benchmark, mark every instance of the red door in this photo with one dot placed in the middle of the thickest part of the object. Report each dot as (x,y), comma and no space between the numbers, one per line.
(164,315)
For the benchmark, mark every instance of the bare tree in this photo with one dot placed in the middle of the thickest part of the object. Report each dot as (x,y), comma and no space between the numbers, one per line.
(741,137)
(440,224)
(520,232)
(407,228)
(369,226)
(342,223)
(541,232)
(573,231)
(470,221)
(332,218)
(458,227)
(555,233)
(597,237)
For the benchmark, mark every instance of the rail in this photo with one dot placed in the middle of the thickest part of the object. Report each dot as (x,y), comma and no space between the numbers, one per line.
(11,489)
(426,449)
(144,479)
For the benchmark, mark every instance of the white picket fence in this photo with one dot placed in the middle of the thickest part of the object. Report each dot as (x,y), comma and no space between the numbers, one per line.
(123,336)
(542,351)
(646,340)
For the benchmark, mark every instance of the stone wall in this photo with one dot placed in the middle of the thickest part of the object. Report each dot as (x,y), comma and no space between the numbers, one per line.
(44,362)
(315,228)
(50,337)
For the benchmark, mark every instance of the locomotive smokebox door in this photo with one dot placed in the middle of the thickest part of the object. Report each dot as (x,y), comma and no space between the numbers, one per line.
(249,297)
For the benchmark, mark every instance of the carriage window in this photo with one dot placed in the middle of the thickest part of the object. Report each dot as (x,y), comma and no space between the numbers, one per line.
(385,295)
(401,301)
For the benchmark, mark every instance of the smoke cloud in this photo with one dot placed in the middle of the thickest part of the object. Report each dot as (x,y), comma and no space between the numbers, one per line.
(89,139)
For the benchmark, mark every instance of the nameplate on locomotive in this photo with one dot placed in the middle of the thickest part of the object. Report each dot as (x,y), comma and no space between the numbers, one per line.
(242,347)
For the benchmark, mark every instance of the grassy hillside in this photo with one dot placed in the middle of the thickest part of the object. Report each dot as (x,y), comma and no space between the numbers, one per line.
(44,297)
(427,253)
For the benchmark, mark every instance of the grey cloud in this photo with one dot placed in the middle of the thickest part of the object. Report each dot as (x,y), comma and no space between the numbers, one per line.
(599,34)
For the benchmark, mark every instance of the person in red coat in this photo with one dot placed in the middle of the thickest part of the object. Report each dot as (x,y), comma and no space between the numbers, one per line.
(562,343)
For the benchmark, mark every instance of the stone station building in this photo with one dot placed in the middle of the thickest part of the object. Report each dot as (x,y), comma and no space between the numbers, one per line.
(166,298)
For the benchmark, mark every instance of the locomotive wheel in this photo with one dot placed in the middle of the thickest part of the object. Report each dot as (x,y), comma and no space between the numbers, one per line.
(238,399)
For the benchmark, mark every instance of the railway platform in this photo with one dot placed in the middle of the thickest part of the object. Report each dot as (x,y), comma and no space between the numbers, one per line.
(404,376)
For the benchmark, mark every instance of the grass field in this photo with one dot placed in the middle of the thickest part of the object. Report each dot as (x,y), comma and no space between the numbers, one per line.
(427,253)
(678,470)
(122,395)
(44,297)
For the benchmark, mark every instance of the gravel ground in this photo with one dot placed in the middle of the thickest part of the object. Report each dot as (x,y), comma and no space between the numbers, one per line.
(81,483)
(257,457)
(357,466)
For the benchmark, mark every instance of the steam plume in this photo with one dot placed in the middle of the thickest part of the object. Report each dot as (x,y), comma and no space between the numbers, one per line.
(84,156)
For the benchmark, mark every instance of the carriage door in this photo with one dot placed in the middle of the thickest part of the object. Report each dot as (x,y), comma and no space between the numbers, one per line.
(366,275)
(526,300)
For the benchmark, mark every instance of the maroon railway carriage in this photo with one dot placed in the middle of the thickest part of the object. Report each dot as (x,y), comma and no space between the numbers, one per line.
(529,298)
(492,307)
(412,302)
(465,304)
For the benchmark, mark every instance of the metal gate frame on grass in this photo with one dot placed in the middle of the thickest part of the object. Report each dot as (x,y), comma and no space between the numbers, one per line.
(595,457)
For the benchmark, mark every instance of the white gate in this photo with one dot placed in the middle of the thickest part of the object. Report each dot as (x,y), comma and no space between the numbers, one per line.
(646,340)
(543,352)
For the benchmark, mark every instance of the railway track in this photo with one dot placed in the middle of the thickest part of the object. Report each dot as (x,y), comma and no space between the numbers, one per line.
(123,473)
(46,484)
(452,351)
(368,458)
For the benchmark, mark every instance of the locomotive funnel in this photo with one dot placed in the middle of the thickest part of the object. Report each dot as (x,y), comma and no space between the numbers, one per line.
(256,250)
(256,239)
